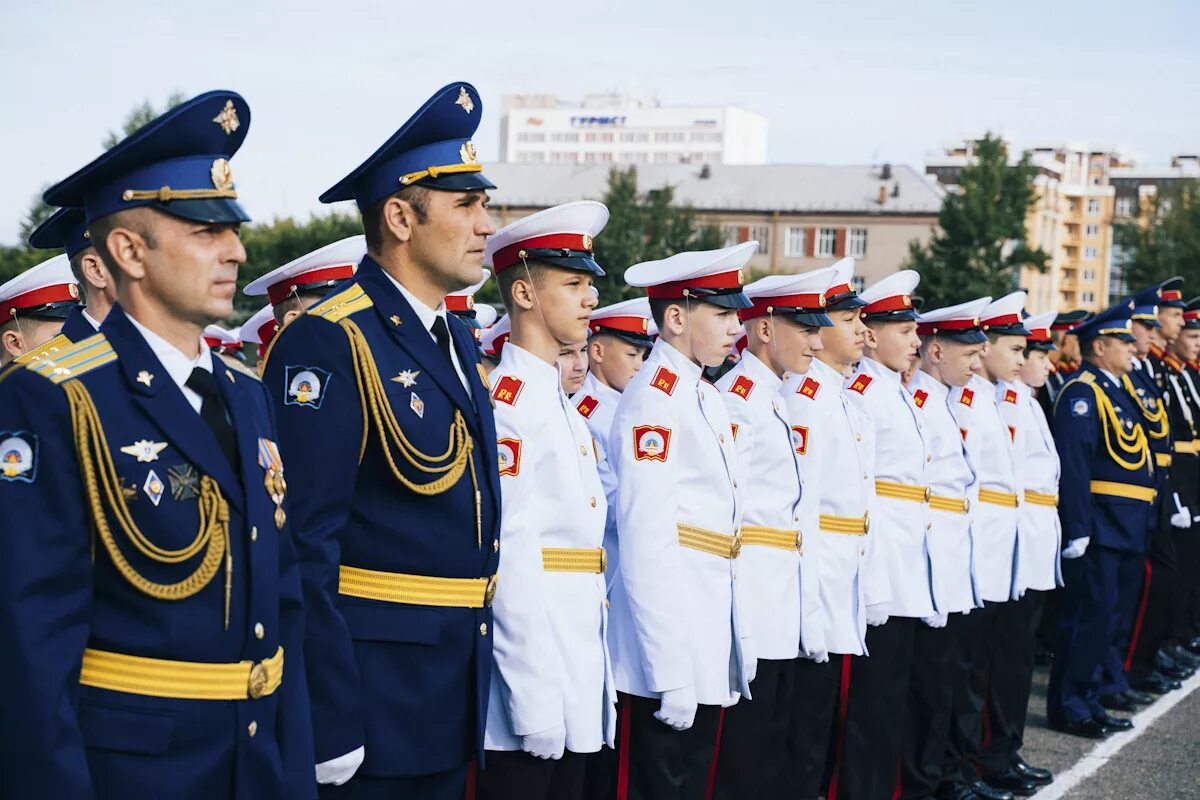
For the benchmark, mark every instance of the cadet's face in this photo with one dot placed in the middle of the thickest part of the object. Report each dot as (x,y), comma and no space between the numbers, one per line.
(1068,348)
(1171,320)
(959,361)
(711,332)
(1003,359)
(844,340)
(1036,368)
(572,366)
(1187,346)
(896,344)
(191,275)
(793,346)
(451,241)
(616,361)
(567,300)
(1141,335)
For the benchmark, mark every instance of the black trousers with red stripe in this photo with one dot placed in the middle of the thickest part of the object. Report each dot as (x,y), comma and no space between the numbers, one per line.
(814,708)
(1152,626)
(751,757)
(966,718)
(868,761)
(1009,682)
(657,762)
(938,669)
(519,776)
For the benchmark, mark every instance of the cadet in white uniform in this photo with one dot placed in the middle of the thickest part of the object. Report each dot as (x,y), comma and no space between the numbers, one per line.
(900,527)
(783,335)
(552,698)
(36,304)
(677,653)
(951,344)
(835,442)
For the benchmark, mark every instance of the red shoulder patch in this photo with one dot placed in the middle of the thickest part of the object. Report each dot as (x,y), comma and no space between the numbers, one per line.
(587,406)
(860,383)
(664,381)
(508,389)
(809,388)
(508,456)
(651,442)
(919,397)
(1010,396)
(966,398)
(800,439)
(742,387)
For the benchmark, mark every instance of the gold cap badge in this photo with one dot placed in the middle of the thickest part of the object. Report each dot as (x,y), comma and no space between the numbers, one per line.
(464,100)
(228,118)
(222,175)
(467,153)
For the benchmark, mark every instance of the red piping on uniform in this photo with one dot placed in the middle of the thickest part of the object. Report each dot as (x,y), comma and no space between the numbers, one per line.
(986,718)
(469,793)
(712,767)
(623,757)
(1141,616)
(899,790)
(843,708)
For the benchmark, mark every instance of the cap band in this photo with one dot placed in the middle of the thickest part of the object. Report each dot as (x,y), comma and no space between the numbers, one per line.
(1172,294)
(281,291)
(783,304)
(899,302)
(459,303)
(930,328)
(676,290)
(1002,320)
(1038,335)
(44,296)
(514,253)
(631,324)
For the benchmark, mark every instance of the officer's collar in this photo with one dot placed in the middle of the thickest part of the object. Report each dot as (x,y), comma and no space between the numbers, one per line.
(822,371)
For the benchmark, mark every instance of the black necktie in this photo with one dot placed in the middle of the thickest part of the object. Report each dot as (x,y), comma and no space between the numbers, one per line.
(212,411)
(442,334)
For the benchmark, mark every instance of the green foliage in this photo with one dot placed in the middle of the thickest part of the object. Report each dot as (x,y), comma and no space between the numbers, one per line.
(138,116)
(1166,241)
(980,247)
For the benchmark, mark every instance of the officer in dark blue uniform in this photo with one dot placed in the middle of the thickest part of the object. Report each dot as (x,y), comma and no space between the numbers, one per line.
(387,430)
(66,229)
(1106,503)
(150,611)
(1066,358)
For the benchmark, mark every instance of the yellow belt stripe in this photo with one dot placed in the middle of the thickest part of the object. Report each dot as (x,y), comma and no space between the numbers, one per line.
(1162,459)
(992,497)
(186,680)
(954,505)
(572,559)
(853,526)
(706,541)
(773,537)
(1040,498)
(1192,447)
(417,590)
(1127,490)
(902,491)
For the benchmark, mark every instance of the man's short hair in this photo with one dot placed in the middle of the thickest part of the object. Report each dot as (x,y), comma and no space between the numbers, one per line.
(373,225)
(77,271)
(506,278)
(135,219)
(291,303)
(659,306)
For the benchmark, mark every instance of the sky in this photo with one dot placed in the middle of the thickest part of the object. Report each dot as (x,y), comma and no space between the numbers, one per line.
(840,82)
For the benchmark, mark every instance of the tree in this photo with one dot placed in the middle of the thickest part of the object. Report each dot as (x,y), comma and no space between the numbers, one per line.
(1165,240)
(138,116)
(980,247)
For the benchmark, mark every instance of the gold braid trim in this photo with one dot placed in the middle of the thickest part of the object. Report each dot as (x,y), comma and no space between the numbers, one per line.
(1158,418)
(1134,442)
(102,484)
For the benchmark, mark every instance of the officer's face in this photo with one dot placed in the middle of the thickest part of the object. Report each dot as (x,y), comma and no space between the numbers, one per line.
(1171,320)
(1113,354)
(894,344)
(845,339)
(566,299)
(572,366)
(1036,368)
(449,244)
(708,331)
(615,361)
(1142,340)
(1003,358)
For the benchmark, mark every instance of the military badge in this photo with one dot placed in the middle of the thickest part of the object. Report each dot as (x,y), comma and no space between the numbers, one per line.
(144,450)
(734,428)
(664,381)
(144,378)
(508,389)
(1010,396)
(967,398)
(228,118)
(742,387)
(407,378)
(417,405)
(860,383)
(464,100)
(305,386)
(809,388)
(18,457)
(508,456)
(153,487)
(1012,432)
(651,442)
(800,439)
(272,464)
(919,397)
(185,482)
(587,406)
(963,432)
(1080,408)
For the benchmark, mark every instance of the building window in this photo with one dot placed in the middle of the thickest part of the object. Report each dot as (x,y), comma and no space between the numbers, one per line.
(794,242)
(661,158)
(597,137)
(662,137)
(635,136)
(705,137)
(531,137)
(1087,297)
(826,242)
(1090,253)
(1124,206)
(1089,275)
(762,234)
(564,137)
(1093,207)
(856,243)
(529,157)
(564,158)
(1091,231)
(738,234)
(858,283)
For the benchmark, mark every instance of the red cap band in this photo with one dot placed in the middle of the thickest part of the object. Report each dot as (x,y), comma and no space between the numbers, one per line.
(459,302)
(899,302)
(283,290)
(676,290)
(1038,335)
(1172,294)
(1003,319)
(58,293)
(930,328)
(497,344)
(506,257)
(841,288)
(632,324)
(813,303)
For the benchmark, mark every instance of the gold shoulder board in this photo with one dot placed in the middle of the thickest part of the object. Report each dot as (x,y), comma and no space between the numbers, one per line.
(75,359)
(342,304)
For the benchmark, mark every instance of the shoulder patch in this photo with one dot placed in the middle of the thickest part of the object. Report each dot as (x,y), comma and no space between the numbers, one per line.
(860,383)
(75,359)
(18,456)
(664,381)
(508,456)
(651,442)
(508,389)
(342,304)
(1087,377)
(919,397)
(587,406)
(809,388)
(305,386)
(742,387)
(1080,407)
(48,350)
(800,439)
(967,397)
(1010,396)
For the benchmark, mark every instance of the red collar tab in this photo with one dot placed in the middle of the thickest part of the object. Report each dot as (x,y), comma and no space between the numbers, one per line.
(58,293)
(676,290)
(516,252)
(281,291)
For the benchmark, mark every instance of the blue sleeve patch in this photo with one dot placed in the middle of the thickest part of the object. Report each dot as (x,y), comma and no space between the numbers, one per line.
(305,386)
(18,456)
(1080,408)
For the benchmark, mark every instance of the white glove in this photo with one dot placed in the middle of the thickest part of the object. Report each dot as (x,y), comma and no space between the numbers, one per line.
(678,708)
(877,615)
(1182,518)
(1076,548)
(547,744)
(936,621)
(819,656)
(341,769)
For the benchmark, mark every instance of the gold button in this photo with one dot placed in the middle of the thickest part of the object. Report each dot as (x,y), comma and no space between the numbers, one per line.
(606,603)
(259,632)
(252,728)
(735,484)
(495,545)
(858,437)
(582,450)
(593,502)
(483,629)
(929,457)
(864,476)
(862,552)
(254,534)
(722,438)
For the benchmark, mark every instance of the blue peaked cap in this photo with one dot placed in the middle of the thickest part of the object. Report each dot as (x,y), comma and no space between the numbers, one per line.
(177,163)
(1113,321)
(432,149)
(66,229)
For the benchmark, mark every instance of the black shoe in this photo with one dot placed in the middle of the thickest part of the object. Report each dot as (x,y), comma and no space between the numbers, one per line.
(1157,683)
(1193,645)
(1182,655)
(1140,698)
(1013,781)
(1084,728)
(986,791)
(1117,702)
(1172,668)
(1115,724)
(956,793)
(1038,775)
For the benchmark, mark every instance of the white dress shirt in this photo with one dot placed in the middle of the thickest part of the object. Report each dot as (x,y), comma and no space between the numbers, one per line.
(92,320)
(178,366)
(427,315)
